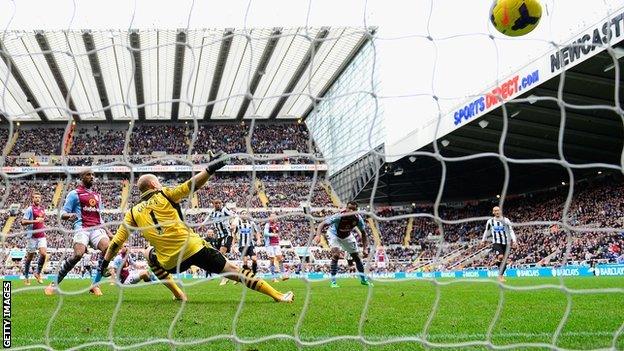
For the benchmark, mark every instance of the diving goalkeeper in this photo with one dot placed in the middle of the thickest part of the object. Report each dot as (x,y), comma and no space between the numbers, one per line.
(175,247)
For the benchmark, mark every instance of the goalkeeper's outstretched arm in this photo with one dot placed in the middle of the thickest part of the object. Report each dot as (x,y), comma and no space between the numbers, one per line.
(182,191)
(202,177)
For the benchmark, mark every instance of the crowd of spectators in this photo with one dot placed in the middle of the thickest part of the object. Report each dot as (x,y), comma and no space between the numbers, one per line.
(20,192)
(239,190)
(291,191)
(172,139)
(40,141)
(596,205)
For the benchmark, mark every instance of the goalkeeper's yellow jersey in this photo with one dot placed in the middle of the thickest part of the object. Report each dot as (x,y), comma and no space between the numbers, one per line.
(159,219)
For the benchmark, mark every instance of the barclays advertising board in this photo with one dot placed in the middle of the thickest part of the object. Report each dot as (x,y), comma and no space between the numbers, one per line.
(564,271)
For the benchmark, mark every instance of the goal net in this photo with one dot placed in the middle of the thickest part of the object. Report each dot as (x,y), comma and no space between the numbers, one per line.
(422,113)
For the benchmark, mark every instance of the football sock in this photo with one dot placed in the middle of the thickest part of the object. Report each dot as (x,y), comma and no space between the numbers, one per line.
(40,263)
(165,278)
(254,267)
(98,277)
(27,267)
(67,265)
(333,269)
(359,265)
(260,285)
(503,268)
(172,285)
(272,269)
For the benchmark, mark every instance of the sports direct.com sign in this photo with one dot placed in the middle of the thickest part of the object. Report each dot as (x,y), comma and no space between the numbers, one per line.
(590,42)
(506,90)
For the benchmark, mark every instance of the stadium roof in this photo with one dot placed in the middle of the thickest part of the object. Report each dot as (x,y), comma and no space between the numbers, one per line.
(116,75)
(591,135)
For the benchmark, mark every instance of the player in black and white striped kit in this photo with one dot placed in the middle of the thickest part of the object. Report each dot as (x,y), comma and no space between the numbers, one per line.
(246,231)
(222,219)
(500,230)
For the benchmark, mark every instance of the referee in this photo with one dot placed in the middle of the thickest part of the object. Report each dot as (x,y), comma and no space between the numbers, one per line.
(500,230)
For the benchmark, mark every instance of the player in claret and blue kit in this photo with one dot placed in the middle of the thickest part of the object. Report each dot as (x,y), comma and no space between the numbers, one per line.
(273,248)
(83,207)
(341,237)
(33,220)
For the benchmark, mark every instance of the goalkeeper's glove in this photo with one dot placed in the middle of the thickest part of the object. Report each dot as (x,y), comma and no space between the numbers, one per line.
(213,168)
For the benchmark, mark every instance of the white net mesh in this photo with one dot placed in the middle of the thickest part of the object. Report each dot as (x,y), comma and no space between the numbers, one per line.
(435,304)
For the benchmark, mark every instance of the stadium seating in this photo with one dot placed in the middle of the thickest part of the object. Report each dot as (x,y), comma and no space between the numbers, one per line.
(145,139)
(431,244)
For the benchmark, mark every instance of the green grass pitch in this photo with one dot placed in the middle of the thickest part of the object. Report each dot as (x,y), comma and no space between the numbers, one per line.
(397,309)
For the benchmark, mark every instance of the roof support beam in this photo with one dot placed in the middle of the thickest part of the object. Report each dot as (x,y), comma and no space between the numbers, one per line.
(546,128)
(358,47)
(135,43)
(588,78)
(177,73)
(87,37)
(578,99)
(484,146)
(56,72)
(224,51)
(605,122)
(470,146)
(264,61)
(476,131)
(314,47)
(6,57)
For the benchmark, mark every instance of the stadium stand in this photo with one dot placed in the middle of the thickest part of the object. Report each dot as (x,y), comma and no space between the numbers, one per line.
(594,205)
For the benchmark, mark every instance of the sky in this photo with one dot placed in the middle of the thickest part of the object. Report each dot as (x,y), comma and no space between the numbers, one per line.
(460,61)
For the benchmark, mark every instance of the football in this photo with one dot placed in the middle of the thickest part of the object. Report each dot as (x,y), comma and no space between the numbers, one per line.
(515,17)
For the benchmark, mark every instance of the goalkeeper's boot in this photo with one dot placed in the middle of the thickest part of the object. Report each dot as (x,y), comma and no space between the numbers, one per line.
(50,289)
(223,281)
(501,279)
(95,291)
(26,281)
(38,278)
(334,285)
(287,297)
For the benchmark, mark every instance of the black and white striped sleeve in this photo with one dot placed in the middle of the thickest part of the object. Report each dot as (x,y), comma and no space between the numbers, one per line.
(486,232)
